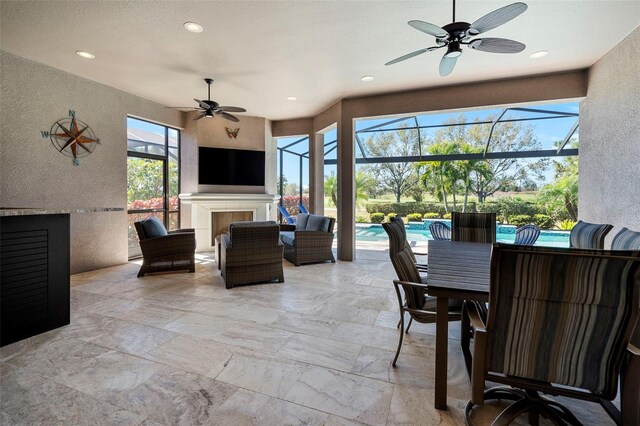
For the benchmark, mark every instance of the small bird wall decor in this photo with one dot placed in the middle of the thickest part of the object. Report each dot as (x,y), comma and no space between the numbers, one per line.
(232,133)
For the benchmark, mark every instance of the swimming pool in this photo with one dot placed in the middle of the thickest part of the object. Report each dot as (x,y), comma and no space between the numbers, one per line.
(419,232)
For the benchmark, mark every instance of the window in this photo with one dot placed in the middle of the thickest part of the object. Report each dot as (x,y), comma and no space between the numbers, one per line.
(153,176)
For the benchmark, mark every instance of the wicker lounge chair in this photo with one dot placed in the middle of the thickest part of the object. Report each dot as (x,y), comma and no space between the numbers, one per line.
(587,235)
(251,253)
(440,231)
(164,251)
(527,235)
(309,241)
(538,339)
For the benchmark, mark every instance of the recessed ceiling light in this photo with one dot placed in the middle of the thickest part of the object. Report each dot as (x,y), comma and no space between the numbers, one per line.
(193,27)
(367,78)
(539,54)
(292,98)
(86,55)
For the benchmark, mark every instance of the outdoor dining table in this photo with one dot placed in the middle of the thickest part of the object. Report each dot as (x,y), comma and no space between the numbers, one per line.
(457,270)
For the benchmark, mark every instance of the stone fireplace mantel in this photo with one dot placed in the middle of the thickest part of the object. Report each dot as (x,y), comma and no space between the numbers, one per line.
(204,204)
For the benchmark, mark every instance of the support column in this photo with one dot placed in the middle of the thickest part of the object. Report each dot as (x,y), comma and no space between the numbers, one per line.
(346,190)
(316,173)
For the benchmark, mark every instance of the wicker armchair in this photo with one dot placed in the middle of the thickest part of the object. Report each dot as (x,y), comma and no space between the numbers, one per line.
(251,253)
(309,240)
(164,251)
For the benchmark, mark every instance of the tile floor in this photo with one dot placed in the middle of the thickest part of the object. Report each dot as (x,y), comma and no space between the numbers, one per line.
(180,349)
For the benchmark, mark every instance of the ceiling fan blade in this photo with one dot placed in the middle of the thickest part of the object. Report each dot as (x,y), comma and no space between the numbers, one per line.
(202,104)
(428,28)
(407,56)
(497,45)
(228,116)
(183,107)
(496,18)
(446,65)
(199,116)
(231,109)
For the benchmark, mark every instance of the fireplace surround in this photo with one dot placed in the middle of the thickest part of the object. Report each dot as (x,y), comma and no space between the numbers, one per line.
(204,205)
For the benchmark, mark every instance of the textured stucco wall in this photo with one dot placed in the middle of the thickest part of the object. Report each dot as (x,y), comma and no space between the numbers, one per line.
(609,183)
(32,174)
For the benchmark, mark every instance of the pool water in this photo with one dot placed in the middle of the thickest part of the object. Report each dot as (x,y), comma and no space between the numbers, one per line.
(419,231)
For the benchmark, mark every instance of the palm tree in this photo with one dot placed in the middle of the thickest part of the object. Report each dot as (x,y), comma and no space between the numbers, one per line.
(331,187)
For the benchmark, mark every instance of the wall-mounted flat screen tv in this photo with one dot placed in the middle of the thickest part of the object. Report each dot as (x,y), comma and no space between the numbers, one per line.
(220,166)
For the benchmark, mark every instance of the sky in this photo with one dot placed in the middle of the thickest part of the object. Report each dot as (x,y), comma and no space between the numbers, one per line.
(545,131)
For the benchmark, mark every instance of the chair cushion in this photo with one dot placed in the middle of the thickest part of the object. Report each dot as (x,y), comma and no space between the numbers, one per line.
(153,227)
(318,223)
(587,235)
(301,222)
(288,237)
(626,239)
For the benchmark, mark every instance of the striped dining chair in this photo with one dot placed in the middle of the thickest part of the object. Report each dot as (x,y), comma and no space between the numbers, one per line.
(473,227)
(560,323)
(416,303)
(440,230)
(527,235)
(587,235)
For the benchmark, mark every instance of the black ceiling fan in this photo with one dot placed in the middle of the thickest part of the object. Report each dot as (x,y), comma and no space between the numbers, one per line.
(457,34)
(211,108)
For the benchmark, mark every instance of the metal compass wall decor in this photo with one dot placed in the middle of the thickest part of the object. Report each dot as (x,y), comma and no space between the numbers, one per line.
(72,137)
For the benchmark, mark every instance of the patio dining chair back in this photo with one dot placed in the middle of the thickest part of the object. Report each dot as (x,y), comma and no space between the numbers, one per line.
(473,227)
(527,235)
(417,303)
(440,230)
(556,327)
(626,239)
(587,235)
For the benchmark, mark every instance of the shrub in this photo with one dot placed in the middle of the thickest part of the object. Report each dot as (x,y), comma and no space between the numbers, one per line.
(362,219)
(543,221)
(376,217)
(567,225)
(510,206)
(520,219)
(390,216)
(403,209)
(488,207)
(414,217)
(446,216)
(431,216)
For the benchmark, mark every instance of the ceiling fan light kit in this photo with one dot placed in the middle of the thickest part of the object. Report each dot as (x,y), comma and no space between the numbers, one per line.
(457,34)
(209,109)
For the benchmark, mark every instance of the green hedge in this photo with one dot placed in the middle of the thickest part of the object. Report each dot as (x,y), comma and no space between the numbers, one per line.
(390,216)
(520,219)
(376,217)
(431,216)
(404,209)
(414,217)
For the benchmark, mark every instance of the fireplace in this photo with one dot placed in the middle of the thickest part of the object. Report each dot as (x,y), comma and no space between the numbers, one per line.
(220,221)
(212,213)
